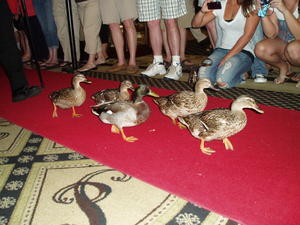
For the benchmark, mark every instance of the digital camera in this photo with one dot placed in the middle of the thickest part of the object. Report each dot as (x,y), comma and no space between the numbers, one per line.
(265,2)
(214,5)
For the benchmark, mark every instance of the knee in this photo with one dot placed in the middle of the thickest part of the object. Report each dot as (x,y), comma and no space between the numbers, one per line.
(153,24)
(128,24)
(292,52)
(260,50)
(171,23)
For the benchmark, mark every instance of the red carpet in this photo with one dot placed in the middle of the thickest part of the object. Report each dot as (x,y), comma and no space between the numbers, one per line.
(257,183)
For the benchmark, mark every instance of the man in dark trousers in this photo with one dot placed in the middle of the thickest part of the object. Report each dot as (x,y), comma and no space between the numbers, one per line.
(10,57)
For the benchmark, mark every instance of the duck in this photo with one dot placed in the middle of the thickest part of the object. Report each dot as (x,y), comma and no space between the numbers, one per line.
(185,102)
(126,113)
(70,97)
(114,94)
(219,123)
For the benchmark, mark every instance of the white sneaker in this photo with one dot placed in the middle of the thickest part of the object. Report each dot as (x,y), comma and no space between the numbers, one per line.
(155,69)
(174,72)
(259,78)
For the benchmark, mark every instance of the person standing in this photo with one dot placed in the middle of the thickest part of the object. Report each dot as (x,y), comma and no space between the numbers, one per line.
(10,56)
(90,17)
(152,11)
(114,12)
(43,10)
(61,21)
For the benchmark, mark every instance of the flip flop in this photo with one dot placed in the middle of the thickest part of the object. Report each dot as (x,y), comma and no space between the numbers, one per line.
(52,65)
(187,62)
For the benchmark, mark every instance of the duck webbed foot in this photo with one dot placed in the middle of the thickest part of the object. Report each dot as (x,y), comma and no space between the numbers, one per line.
(205,150)
(128,139)
(227,144)
(74,114)
(181,126)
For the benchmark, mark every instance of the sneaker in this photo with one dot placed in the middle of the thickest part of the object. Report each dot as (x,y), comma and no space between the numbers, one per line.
(259,78)
(174,72)
(155,69)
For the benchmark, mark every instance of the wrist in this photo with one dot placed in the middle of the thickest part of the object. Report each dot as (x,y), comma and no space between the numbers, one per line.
(202,11)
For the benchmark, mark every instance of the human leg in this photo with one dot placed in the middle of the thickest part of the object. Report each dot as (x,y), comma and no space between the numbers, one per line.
(10,58)
(271,51)
(292,52)
(118,40)
(230,74)
(89,12)
(131,40)
(210,72)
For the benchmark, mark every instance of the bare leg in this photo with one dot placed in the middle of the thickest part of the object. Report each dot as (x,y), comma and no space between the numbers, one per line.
(118,40)
(166,46)
(173,36)
(155,35)
(131,40)
(292,53)
(182,32)
(272,52)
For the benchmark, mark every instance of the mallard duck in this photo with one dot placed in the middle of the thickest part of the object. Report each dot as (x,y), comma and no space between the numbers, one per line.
(220,123)
(185,102)
(70,97)
(114,94)
(126,113)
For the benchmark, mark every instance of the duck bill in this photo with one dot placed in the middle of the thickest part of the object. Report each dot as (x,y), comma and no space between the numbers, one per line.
(153,94)
(88,81)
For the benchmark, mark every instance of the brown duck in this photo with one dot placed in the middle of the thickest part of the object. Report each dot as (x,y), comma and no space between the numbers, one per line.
(113,94)
(220,123)
(185,102)
(70,97)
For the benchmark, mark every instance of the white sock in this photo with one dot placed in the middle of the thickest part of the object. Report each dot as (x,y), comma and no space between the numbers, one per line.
(175,60)
(158,59)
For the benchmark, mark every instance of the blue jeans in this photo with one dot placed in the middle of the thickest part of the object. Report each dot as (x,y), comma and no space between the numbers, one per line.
(43,10)
(231,72)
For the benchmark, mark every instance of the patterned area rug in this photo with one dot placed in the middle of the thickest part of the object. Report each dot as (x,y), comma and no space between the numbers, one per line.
(43,183)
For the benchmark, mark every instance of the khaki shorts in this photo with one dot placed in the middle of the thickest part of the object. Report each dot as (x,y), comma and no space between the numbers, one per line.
(116,11)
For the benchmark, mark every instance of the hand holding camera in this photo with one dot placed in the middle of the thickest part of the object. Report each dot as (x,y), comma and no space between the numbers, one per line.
(214,5)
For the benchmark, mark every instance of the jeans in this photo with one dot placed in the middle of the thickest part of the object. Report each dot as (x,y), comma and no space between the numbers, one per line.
(231,72)
(43,10)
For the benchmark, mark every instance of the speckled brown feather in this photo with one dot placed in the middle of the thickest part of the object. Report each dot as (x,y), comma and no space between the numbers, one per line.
(113,94)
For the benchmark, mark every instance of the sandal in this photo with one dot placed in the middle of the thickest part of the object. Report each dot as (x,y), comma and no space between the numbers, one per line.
(87,67)
(280,79)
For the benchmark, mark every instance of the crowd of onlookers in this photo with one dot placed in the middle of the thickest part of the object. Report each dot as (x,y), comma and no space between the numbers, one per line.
(251,35)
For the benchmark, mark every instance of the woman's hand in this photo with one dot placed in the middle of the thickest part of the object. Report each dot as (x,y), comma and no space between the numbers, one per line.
(278,4)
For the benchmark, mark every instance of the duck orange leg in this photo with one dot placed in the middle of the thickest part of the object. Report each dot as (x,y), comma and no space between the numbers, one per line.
(128,139)
(74,114)
(54,113)
(114,129)
(227,144)
(207,151)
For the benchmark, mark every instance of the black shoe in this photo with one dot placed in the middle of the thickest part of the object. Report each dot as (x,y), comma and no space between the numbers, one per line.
(27,92)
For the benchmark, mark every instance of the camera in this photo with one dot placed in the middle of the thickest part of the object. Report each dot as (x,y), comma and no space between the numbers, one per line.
(265,2)
(214,5)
